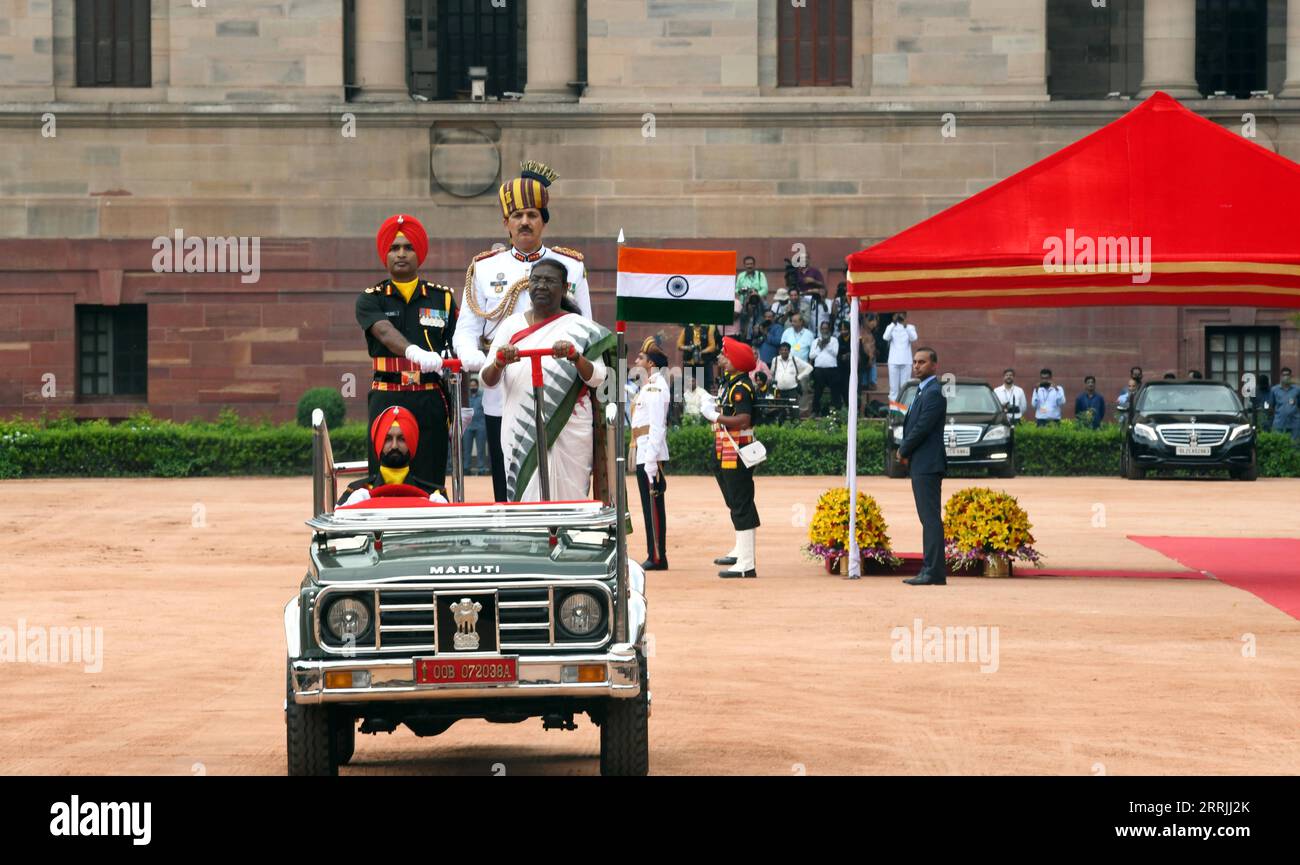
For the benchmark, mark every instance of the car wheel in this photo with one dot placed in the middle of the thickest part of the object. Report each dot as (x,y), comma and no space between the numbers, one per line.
(1007,469)
(1250,472)
(893,468)
(625,732)
(309,739)
(1132,470)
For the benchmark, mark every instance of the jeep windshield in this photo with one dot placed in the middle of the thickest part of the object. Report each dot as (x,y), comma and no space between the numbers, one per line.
(1188,398)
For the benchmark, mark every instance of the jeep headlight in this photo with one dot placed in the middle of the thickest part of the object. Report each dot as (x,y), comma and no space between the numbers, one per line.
(1238,431)
(996,434)
(1145,430)
(898,433)
(347,617)
(581,614)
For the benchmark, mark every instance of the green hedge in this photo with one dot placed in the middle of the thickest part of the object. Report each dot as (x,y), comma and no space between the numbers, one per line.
(144,446)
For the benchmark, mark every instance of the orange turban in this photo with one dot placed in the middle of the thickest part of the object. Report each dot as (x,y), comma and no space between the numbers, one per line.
(394,414)
(410,228)
(740,354)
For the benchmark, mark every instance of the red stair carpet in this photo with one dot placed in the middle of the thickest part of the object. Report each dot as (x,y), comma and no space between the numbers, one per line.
(1268,568)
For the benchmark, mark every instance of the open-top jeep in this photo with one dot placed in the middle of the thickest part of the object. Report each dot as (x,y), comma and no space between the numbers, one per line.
(428,614)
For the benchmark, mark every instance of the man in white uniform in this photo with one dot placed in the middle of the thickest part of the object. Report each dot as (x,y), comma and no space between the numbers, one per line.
(496,287)
(900,335)
(650,450)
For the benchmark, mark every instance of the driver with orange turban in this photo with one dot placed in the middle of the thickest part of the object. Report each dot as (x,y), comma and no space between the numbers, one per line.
(409,324)
(394,440)
(733,425)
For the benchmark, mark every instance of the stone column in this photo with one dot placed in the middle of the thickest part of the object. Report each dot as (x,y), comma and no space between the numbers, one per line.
(1169,48)
(1291,87)
(381,51)
(552,32)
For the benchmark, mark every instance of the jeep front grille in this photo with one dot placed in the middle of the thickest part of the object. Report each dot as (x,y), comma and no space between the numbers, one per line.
(404,620)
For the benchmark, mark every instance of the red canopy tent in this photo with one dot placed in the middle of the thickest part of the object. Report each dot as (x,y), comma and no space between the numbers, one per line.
(1209,212)
(1160,207)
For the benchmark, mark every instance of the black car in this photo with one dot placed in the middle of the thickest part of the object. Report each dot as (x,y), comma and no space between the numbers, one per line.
(977,432)
(1188,424)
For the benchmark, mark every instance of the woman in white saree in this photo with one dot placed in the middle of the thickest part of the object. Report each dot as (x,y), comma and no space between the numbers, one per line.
(570,374)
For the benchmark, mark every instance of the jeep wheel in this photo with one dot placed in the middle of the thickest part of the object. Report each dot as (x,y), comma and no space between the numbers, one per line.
(625,733)
(345,739)
(308,736)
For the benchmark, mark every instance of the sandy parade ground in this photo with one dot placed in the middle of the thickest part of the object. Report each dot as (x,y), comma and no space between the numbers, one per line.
(795,672)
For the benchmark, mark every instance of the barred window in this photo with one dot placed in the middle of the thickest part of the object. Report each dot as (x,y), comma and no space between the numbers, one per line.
(112,350)
(113,43)
(815,44)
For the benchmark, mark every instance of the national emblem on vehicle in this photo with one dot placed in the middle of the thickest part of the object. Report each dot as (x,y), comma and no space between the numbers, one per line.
(465,613)
(1193,440)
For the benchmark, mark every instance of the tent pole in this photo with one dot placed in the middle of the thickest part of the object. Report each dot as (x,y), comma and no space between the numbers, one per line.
(855,559)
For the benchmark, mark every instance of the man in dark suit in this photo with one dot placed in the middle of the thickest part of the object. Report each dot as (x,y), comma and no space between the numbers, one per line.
(922,450)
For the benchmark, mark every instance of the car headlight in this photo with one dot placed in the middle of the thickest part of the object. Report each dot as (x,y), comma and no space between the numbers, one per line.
(1145,430)
(996,434)
(1238,431)
(581,614)
(347,617)
(898,433)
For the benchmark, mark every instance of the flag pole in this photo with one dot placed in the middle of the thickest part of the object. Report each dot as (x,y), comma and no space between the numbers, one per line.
(855,558)
(620,479)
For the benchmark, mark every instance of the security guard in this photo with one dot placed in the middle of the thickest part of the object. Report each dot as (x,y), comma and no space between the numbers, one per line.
(650,450)
(496,287)
(733,429)
(409,323)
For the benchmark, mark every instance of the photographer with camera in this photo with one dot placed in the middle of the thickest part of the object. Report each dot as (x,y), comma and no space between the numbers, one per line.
(900,335)
(1011,396)
(1048,399)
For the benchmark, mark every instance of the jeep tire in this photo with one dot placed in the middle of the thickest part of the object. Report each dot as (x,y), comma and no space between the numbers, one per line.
(309,735)
(625,732)
(345,739)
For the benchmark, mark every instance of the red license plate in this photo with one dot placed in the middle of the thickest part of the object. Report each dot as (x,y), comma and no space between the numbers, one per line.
(466,671)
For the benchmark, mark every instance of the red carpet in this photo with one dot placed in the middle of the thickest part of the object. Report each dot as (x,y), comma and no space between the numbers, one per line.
(912,564)
(1268,568)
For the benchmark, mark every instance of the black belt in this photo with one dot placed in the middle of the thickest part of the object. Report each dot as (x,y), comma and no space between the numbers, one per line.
(396,378)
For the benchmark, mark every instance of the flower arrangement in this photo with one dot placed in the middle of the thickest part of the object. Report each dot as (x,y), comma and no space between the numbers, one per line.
(829,533)
(980,524)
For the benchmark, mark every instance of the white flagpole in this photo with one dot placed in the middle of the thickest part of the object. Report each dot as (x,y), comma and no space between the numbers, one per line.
(855,560)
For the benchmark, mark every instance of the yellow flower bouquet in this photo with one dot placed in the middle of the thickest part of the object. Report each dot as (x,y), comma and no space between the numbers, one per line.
(828,535)
(980,524)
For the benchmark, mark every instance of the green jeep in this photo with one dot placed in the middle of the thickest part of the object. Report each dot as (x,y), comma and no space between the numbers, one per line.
(426,615)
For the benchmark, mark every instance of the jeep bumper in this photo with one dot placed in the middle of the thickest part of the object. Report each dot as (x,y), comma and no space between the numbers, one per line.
(394,679)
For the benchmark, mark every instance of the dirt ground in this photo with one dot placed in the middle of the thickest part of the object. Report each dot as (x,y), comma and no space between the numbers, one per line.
(787,674)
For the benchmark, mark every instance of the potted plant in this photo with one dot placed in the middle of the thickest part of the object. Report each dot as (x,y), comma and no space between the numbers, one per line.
(987,528)
(828,535)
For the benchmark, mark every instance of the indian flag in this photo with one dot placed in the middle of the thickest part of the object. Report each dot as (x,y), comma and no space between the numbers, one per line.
(682,286)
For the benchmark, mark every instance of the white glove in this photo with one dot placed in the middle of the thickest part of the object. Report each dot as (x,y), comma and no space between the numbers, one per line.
(466,417)
(709,408)
(651,471)
(429,361)
(359,495)
(436,496)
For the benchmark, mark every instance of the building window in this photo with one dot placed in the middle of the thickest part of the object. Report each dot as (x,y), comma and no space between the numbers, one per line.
(1093,51)
(112,350)
(1231,46)
(1234,352)
(444,38)
(815,44)
(112,38)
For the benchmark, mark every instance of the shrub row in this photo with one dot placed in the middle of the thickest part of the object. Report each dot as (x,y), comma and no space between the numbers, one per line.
(144,446)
